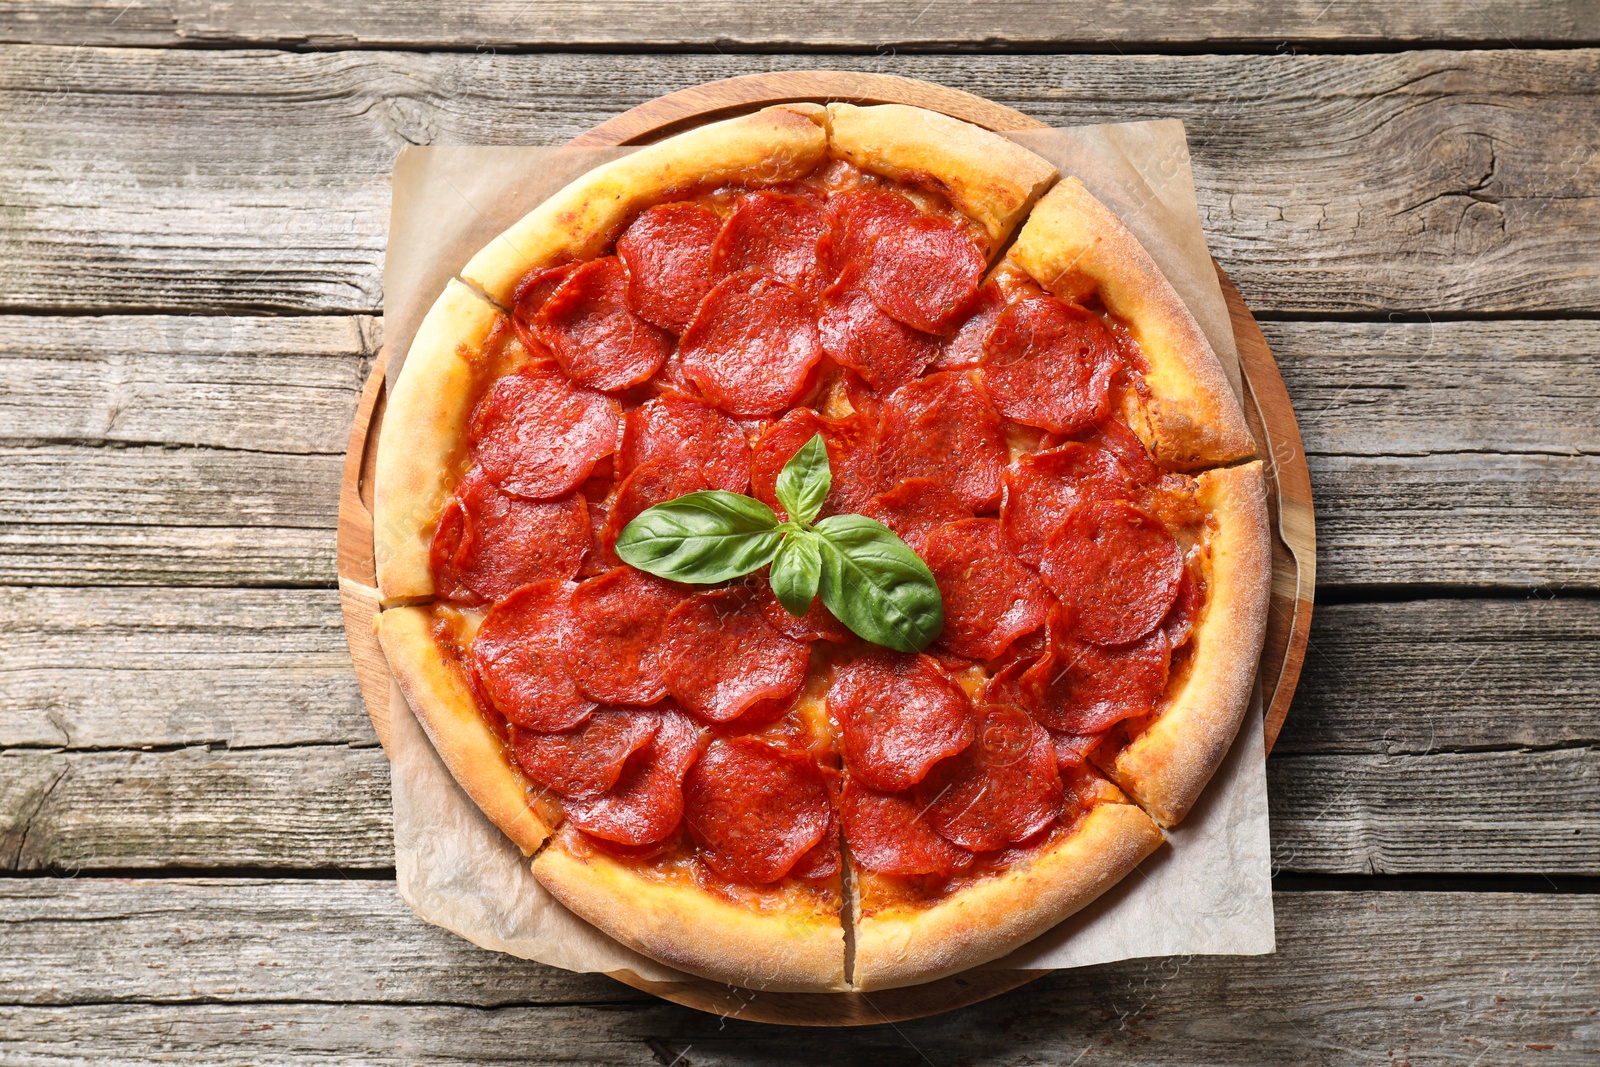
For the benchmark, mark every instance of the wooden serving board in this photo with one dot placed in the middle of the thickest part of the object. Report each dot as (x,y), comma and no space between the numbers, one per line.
(1267,407)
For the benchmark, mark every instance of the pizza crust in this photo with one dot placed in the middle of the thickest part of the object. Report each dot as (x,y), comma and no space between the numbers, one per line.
(443,703)
(1167,766)
(424,428)
(908,946)
(694,930)
(773,145)
(989,178)
(1073,245)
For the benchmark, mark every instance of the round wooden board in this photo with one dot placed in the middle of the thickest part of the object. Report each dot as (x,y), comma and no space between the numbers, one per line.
(1267,407)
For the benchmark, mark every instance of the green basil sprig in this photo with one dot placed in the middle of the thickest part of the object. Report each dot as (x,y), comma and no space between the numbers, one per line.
(866,576)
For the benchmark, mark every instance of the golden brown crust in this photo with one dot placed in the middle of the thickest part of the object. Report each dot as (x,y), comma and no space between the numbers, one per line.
(1073,245)
(988,178)
(906,945)
(770,947)
(423,430)
(1166,766)
(439,696)
(774,145)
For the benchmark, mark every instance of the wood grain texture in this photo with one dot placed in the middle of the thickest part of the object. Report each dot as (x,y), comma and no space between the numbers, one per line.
(328,806)
(1428,676)
(309,806)
(262,384)
(1423,181)
(798,26)
(1515,985)
(253,668)
(1456,454)
(124,668)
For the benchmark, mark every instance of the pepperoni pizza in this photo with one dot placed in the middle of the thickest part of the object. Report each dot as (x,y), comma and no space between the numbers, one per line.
(1001,375)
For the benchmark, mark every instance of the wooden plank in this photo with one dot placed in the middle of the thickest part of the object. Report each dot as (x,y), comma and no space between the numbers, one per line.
(1533,812)
(803,26)
(1458,454)
(1358,977)
(1421,388)
(125,668)
(247,668)
(312,806)
(78,516)
(1514,811)
(98,939)
(116,554)
(1448,675)
(183,380)
(1418,181)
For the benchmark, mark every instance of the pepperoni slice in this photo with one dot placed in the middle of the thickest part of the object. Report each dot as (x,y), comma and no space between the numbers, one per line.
(537,436)
(656,482)
(1115,568)
(852,455)
(1072,750)
(1042,489)
(817,624)
(964,347)
(915,508)
(489,543)
(857,334)
(1003,789)
(1049,364)
(823,860)
(1179,623)
(519,656)
(775,234)
(668,254)
(689,434)
(1005,685)
(722,657)
(752,345)
(587,761)
(594,558)
(594,333)
(754,810)
(888,833)
(925,273)
(855,220)
(1086,689)
(990,598)
(615,636)
(943,428)
(536,287)
(646,804)
(898,715)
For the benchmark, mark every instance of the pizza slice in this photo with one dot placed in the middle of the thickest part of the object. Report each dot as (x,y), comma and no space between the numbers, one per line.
(729,787)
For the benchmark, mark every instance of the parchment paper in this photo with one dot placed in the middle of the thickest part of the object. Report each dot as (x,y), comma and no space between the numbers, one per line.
(1209,891)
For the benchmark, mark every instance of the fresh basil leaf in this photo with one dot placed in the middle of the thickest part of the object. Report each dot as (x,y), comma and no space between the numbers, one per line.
(804,482)
(702,537)
(875,584)
(796,571)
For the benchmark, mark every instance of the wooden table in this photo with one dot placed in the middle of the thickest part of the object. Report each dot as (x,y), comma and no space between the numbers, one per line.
(194,813)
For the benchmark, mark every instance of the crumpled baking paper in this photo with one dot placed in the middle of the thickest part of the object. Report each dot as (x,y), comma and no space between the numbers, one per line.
(1208,891)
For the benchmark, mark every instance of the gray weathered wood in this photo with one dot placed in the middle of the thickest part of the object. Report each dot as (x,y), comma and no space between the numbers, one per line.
(123,668)
(126,667)
(1421,181)
(262,384)
(1512,811)
(800,26)
(83,940)
(309,806)
(1458,454)
(1474,812)
(1430,387)
(1357,978)
(118,554)
(1447,675)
